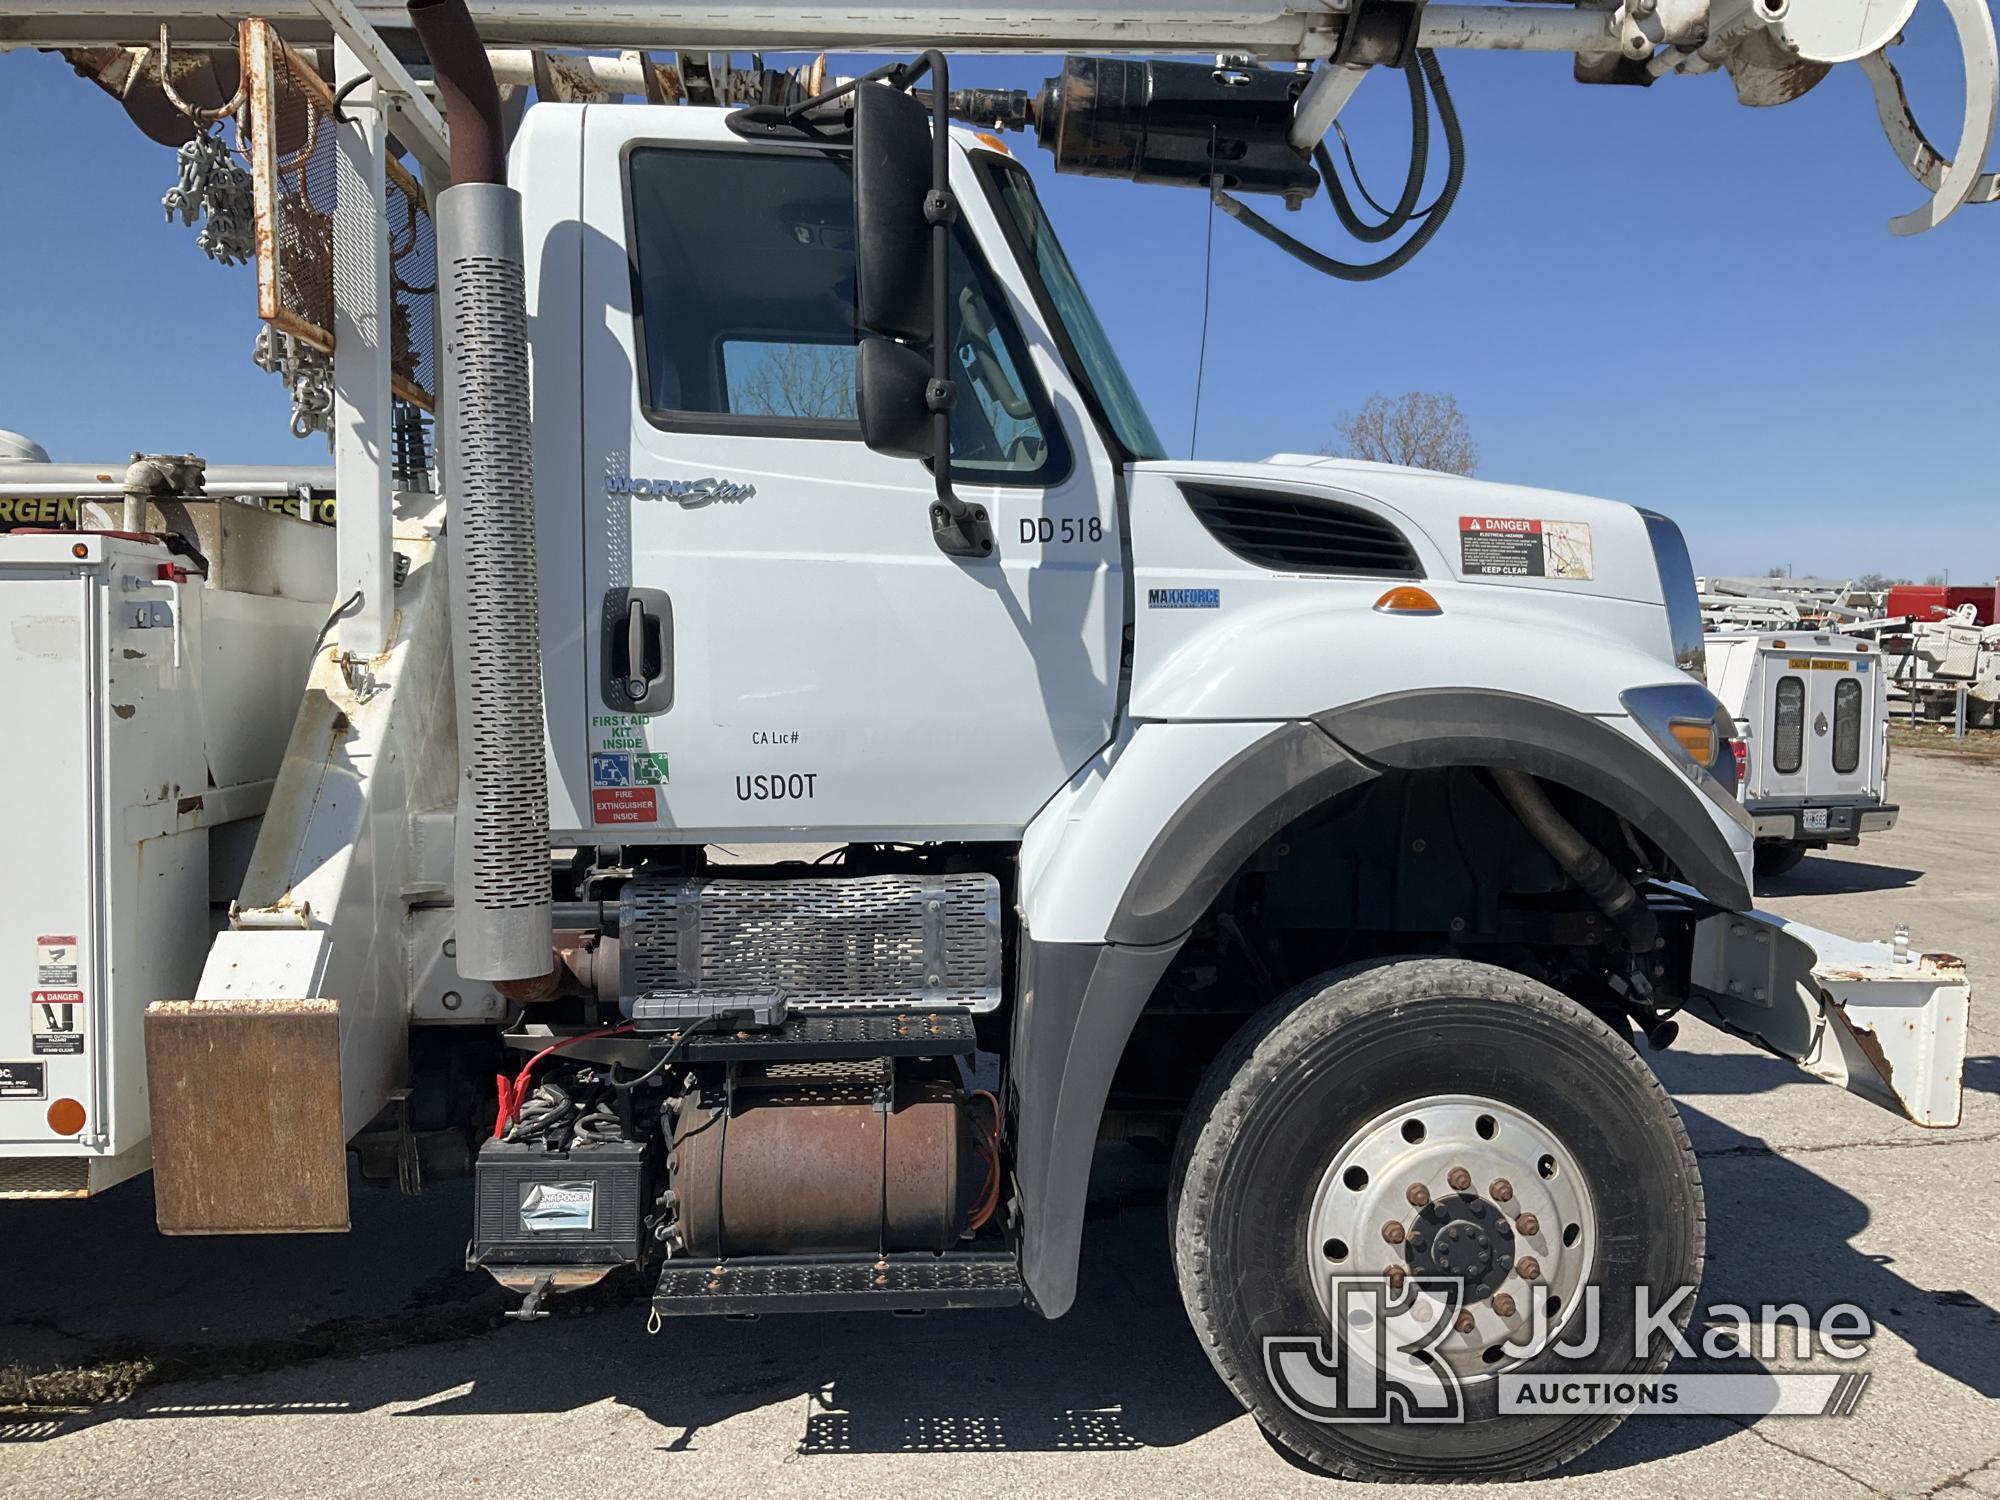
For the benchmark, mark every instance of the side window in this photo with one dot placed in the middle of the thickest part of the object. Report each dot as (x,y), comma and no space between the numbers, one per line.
(1847,725)
(743,292)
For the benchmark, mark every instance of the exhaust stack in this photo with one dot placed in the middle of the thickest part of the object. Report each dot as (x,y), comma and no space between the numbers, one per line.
(502,869)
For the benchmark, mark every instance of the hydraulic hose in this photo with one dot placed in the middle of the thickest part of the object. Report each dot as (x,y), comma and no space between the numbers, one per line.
(1580,859)
(1433,217)
(1405,210)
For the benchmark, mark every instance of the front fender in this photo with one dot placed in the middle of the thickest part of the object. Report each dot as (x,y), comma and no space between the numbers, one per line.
(1117,868)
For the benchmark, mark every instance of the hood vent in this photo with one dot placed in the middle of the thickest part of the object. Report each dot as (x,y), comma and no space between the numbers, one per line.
(1303,533)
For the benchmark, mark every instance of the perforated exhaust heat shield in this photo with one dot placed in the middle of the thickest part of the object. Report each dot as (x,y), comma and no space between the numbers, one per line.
(502,894)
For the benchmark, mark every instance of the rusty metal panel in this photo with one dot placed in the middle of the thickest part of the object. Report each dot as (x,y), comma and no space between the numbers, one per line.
(247,1135)
(292,168)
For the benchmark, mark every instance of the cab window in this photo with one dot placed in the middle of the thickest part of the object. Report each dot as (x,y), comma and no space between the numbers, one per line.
(743,294)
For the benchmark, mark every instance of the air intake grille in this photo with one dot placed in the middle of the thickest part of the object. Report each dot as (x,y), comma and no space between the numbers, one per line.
(883,941)
(1304,533)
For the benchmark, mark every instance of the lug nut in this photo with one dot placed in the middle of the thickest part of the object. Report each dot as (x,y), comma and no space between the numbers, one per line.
(1459,1178)
(1466,1323)
(1504,1305)
(1418,1195)
(1528,1224)
(1527,1268)
(1395,1275)
(1500,1190)
(1393,1232)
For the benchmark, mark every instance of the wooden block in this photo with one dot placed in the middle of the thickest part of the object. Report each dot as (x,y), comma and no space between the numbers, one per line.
(247,1133)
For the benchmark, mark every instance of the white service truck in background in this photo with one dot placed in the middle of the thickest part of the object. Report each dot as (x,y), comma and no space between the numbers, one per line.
(1341,824)
(1812,719)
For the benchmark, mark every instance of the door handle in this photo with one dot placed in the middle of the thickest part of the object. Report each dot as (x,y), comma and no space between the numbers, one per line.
(638,675)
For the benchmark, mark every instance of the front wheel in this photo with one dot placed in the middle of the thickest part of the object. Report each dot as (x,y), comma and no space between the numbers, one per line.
(1473,1144)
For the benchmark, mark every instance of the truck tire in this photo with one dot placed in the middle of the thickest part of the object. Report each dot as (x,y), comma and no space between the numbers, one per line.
(1774,858)
(1333,1104)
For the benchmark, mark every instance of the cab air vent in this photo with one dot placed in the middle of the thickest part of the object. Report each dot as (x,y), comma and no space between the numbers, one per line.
(1303,533)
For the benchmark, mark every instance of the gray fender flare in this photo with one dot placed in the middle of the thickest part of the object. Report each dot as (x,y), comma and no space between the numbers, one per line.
(1078,1002)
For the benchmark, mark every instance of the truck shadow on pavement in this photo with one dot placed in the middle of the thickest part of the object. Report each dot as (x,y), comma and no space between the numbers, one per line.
(1818,876)
(411,1331)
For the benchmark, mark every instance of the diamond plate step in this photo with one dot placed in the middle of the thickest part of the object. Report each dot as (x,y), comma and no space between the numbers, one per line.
(839,1034)
(838,1283)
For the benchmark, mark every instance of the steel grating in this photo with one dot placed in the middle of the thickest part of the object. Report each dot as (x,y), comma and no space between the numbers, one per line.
(760,1284)
(879,942)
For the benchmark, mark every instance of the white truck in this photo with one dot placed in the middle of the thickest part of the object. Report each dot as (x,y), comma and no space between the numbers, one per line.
(1339,823)
(1812,756)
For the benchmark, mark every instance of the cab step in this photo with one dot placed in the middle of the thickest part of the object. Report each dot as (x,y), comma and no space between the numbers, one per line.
(915,1282)
(839,1034)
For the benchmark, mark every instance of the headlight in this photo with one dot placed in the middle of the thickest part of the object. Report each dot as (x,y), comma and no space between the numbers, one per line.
(1697,733)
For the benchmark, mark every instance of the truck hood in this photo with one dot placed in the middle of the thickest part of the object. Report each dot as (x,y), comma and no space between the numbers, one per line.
(1543,539)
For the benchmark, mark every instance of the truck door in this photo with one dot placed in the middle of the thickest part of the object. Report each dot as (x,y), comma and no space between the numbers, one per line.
(776,641)
(1820,709)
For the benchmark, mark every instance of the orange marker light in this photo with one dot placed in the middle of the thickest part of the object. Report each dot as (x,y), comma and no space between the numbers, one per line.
(1695,737)
(1408,599)
(66,1117)
(79,549)
(989,139)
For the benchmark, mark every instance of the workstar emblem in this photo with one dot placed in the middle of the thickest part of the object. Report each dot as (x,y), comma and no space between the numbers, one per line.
(688,492)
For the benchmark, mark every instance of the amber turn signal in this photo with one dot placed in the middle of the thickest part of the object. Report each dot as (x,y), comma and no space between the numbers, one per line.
(1695,737)
(1408,599)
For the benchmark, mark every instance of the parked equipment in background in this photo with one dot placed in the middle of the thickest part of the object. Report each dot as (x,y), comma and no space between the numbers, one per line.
(1812,748)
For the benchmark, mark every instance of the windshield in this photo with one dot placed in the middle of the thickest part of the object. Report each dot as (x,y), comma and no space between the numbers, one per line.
(1116,399)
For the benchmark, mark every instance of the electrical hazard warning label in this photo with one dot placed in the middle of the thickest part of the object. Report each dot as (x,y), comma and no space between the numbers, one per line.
(57,1026)
(624,804)
(1523,547)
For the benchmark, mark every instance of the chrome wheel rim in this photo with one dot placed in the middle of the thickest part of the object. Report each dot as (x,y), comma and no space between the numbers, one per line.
(1456,1186)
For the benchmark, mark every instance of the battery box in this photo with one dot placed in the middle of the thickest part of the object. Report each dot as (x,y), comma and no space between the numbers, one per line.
(582,1207)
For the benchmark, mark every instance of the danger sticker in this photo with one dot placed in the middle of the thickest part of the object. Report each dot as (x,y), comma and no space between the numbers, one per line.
(55,960)
(624,804)
(1524,547)
(57,1026)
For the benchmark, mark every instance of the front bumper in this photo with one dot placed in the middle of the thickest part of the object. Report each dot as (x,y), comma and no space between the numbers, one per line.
(1885,1024)
(1844,824)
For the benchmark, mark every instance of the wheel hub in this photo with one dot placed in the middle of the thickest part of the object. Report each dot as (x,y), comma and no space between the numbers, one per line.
(1462,1236)
(1457,1188)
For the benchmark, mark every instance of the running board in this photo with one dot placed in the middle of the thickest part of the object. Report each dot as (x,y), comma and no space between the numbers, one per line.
(918,1282)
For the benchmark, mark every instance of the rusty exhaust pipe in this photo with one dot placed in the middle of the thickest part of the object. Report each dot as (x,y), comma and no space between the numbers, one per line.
(501,878)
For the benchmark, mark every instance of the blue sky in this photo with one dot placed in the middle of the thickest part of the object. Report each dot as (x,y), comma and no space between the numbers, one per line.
(1654,295)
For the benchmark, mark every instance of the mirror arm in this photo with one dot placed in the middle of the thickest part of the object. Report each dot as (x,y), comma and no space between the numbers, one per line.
(959,529)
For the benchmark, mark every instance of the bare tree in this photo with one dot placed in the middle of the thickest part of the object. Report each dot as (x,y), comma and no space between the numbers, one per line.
(1423,429)
(796,380)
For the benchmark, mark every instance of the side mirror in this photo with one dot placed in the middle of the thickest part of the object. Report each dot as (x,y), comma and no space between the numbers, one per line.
(891,398)
(892,237)
(904,383)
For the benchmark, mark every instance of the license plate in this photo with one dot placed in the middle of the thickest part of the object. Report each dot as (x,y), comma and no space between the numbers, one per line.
(1815,820)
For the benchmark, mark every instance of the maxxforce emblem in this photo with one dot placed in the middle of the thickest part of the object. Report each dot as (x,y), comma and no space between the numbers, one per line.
(687,491)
